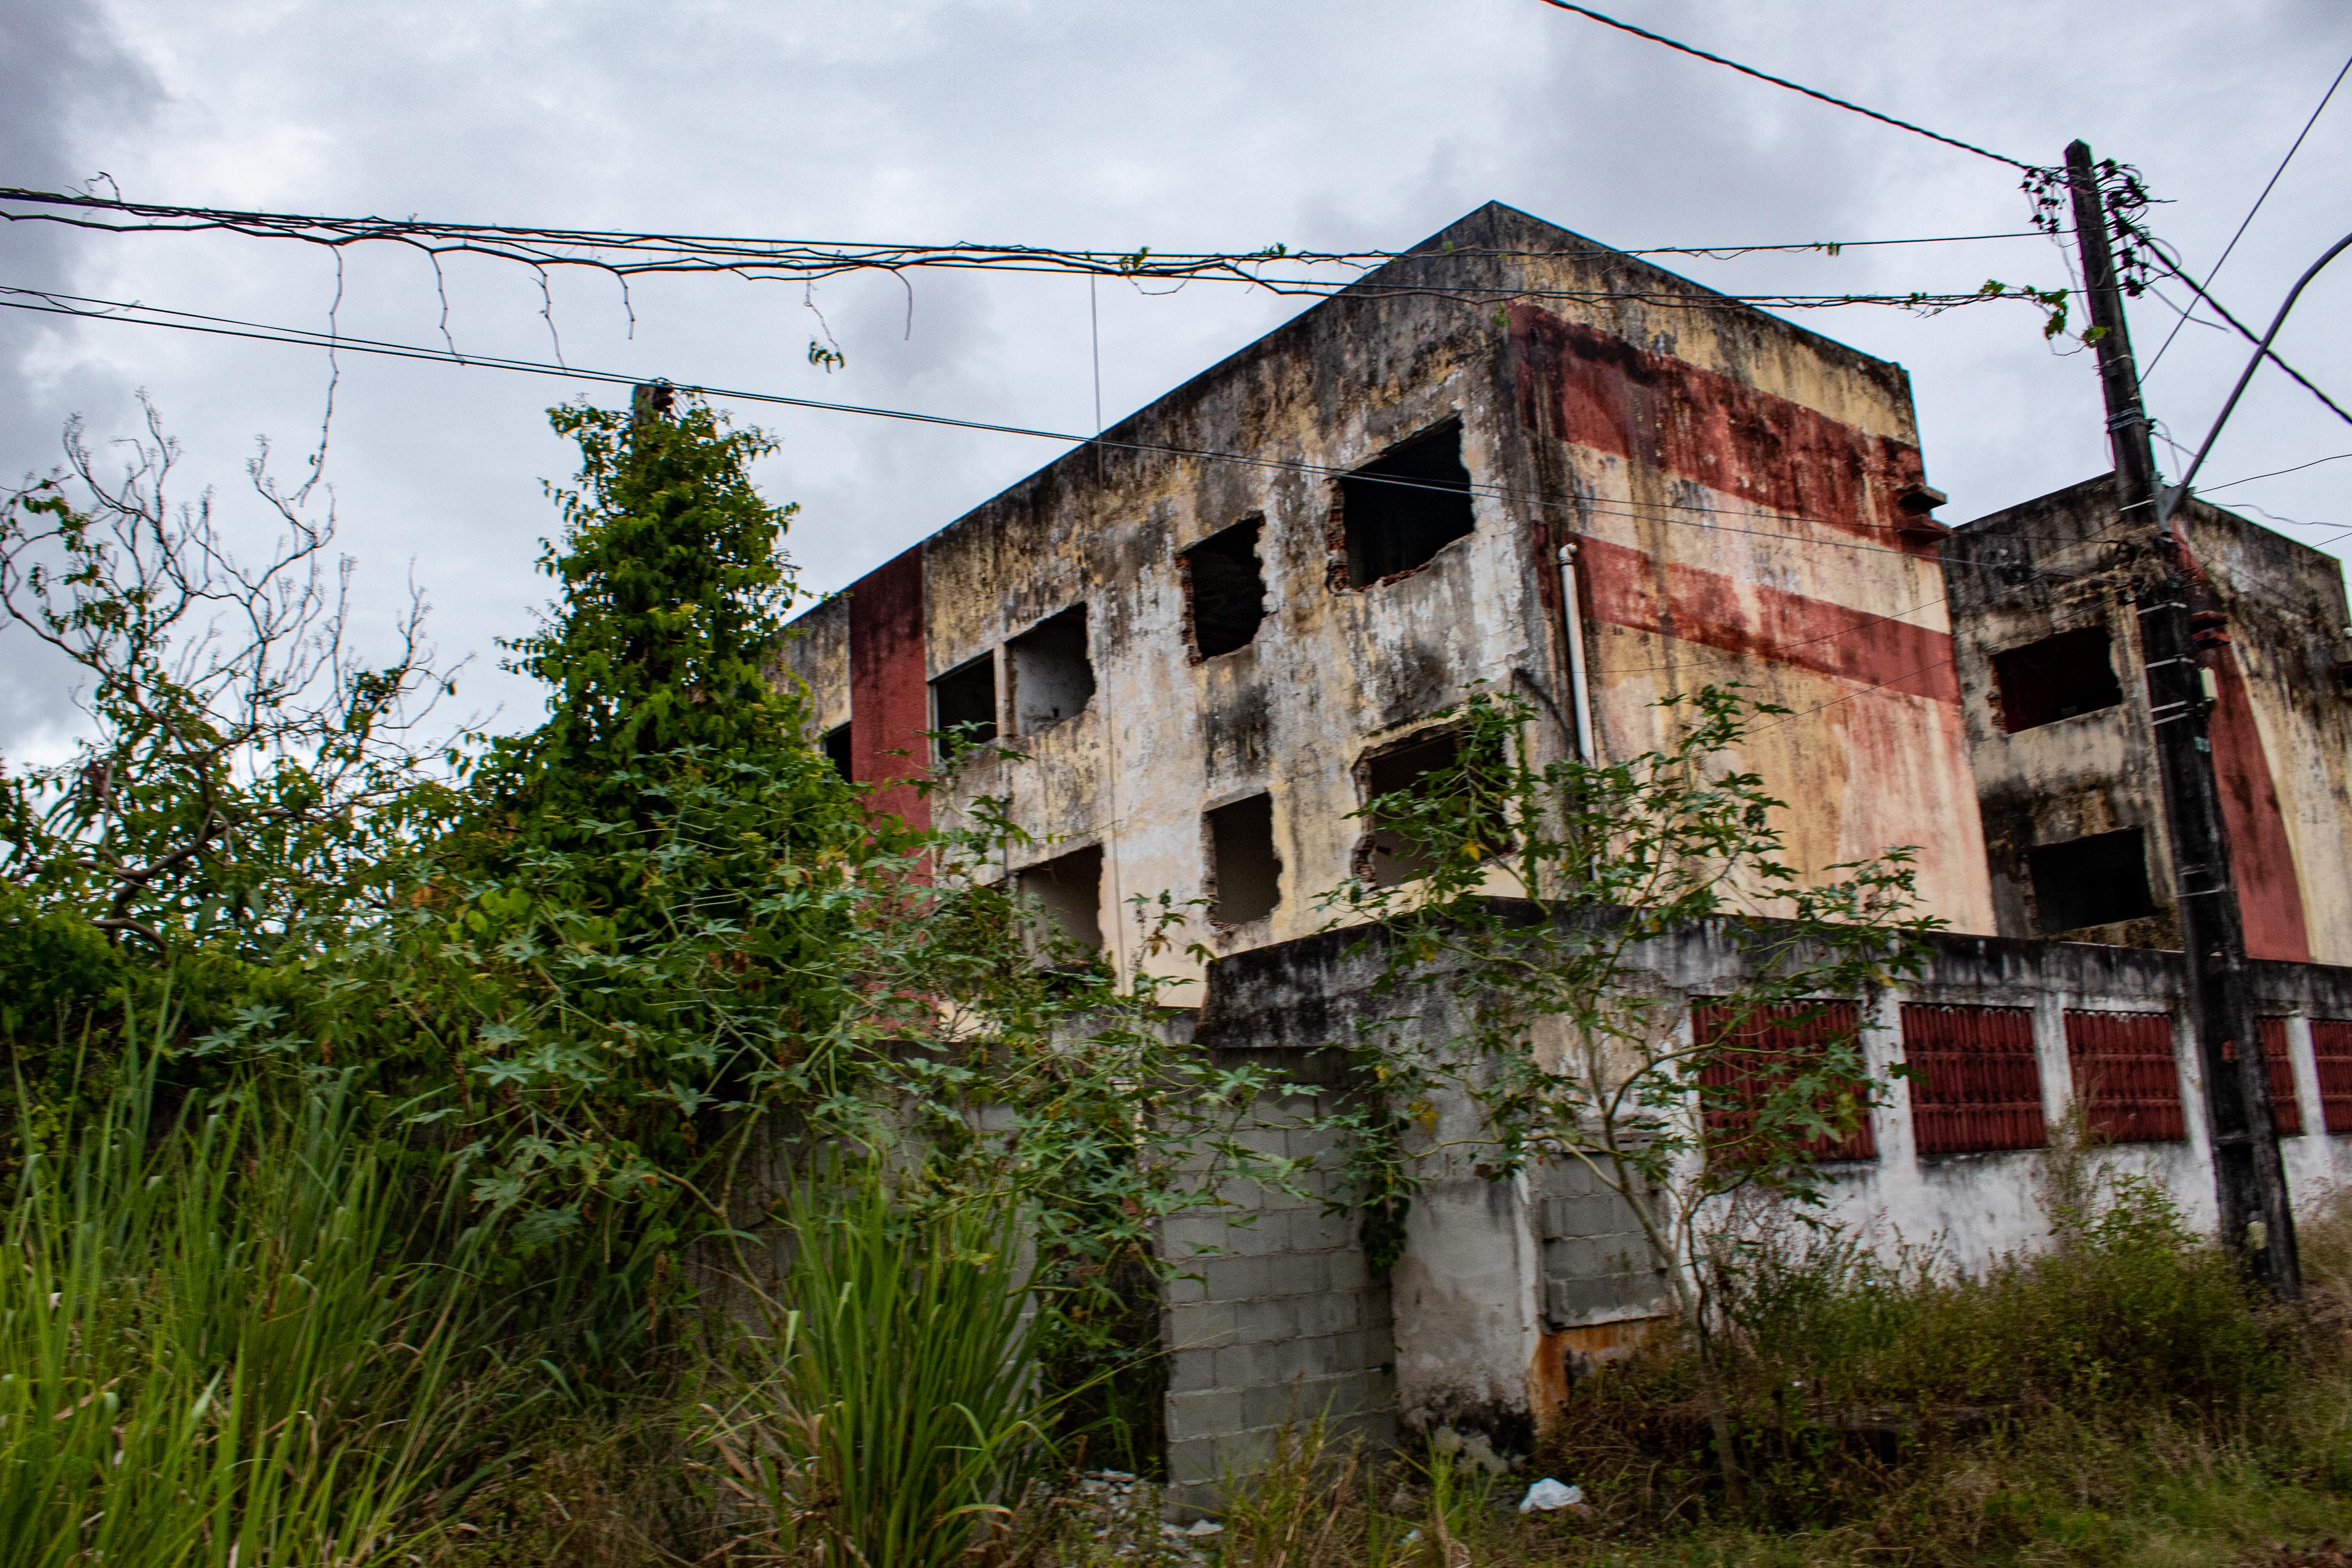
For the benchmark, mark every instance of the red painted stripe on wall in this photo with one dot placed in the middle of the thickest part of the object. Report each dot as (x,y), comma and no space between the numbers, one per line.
(1628,588)
(889,692)
(1591,389)
(2261,857)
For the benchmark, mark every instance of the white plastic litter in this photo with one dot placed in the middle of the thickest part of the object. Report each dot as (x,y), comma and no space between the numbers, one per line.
(1548,1494)
(1206,1527)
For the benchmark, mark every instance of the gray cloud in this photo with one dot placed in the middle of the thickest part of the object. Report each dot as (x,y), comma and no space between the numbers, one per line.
(1215,124)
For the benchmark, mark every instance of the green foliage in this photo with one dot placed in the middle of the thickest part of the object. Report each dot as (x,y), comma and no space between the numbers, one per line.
(892,1417)
(220,1346)
(248,782)
(1541,881)
(2129,1311)
(592,979)
(674,586)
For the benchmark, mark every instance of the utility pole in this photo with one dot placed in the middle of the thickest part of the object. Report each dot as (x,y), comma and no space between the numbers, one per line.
(2257,1222)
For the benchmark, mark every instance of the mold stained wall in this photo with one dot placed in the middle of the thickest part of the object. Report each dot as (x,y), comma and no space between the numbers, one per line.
(1625,425)
(817,653)
(1474,1341)
(2281,730)
(1735,484)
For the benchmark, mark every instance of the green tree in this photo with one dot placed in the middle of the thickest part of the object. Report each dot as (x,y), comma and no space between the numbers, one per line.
(1540,886)
(674,586)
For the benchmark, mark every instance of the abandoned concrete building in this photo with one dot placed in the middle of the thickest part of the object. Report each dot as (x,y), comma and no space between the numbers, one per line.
(1202,643)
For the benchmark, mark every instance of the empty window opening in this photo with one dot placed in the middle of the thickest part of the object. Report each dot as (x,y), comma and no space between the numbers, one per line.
(836,751)
(2091,881)
(2126,1079)
(1752,1053)
(1428,797)
(1068,891)
(1247,874)
(1400,509)
(1392,854)
(2056,679)
(1225,586)
(2287,1106)
(963,706)
(1976,1081)
(1052,679)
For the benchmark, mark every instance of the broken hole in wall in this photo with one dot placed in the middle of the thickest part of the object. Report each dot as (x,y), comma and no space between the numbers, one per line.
(1068,891)
(2057,677)
(1413,773)
(836,751)
(963,706)
(1401,509)
(1225,586)
(1053,678)
(2091,881)
(1246,873)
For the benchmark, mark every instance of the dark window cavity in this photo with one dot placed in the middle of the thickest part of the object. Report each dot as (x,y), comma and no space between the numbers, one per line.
(2091,881)
(836,750)
(1068,889)
(1391,855)
(1247,874)
(1052,679)
(1225,586)
(1400,509)
(2056,679)
(963,705)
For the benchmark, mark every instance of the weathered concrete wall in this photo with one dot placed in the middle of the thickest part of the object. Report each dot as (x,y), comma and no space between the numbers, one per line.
(819,655)
(1738,492)
(1510,1288)
(2281,729)
(1738,485)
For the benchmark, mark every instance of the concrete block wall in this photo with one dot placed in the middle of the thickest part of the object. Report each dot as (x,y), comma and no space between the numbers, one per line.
(1280,1320)
(1597,1264)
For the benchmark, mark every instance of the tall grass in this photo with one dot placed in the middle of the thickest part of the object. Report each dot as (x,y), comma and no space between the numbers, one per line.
(212,1348)
(893,1418)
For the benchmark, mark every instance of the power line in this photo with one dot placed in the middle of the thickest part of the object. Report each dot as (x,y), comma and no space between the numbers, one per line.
(2249,218)
(2274,473)
(1791,86)
(61,304)
(2171,263)
(84,308)
(624,255)
(638,252)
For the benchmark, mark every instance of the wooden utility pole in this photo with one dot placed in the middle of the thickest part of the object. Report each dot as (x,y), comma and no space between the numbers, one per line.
(2257,1221)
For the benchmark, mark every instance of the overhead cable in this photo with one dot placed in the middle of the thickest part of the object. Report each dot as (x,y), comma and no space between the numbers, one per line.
(2249,218)
(82,307)
(626,254)
(1793,86)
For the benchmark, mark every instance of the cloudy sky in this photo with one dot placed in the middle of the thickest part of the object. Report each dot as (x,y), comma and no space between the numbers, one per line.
(1215,124)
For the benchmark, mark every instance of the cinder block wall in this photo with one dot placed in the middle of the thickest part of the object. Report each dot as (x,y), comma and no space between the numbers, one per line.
(1282,1320)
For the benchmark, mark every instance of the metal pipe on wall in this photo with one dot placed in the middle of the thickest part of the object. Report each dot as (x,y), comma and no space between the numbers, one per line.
(1572,616)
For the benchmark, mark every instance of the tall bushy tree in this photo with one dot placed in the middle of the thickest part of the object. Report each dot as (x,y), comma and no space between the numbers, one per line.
(675,587)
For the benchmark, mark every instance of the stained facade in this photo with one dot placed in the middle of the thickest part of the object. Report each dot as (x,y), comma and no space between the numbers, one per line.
(2059,727)
(1276,577)
(1187,655)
